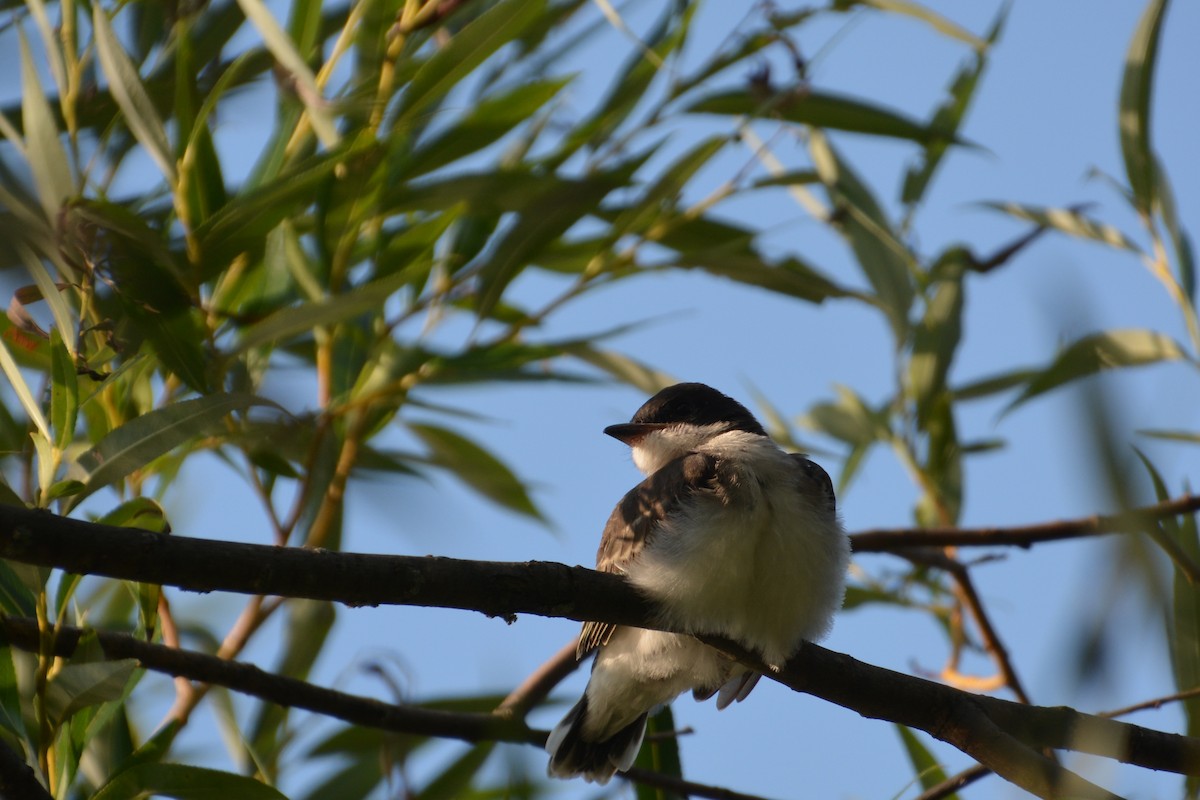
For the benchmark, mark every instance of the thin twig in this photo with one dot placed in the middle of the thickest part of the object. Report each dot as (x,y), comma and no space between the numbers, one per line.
(890,540)
(534,689)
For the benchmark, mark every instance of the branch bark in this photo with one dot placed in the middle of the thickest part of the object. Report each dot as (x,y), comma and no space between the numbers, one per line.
(890,540)
(1000,734)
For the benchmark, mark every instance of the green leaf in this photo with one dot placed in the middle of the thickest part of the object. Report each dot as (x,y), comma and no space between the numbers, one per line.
(929,772)
(1184,256)
(483,126)
(660,754)
(547,216)
(476,467)
(47,159)
(12,717)
(141,513)
(244,222)
(1068,221)
(859,218)
(453,781)
(466,50)
(935,341)
(50,291)
(849,419)
(304,318)
(949,116)
(130,93)
(139,441)
(728,251)
(183,782)
(16,598)
(284,49)
(919,12)
(1100,352)
(808,106)
(64,392)
(21,389)
(1134,117)
(77,686)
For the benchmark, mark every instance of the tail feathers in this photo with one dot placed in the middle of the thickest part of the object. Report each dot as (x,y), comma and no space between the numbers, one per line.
(596,762)
(737,688)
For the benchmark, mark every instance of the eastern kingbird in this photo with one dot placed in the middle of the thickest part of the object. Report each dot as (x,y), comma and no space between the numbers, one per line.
(729,535)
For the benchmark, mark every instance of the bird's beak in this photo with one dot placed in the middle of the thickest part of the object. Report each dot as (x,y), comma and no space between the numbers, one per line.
(633,432)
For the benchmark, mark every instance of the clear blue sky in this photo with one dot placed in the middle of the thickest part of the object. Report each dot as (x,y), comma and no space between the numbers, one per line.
(1046,114)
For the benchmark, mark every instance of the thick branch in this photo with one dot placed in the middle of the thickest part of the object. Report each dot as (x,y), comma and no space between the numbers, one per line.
(886,540)
(505,589)
(498,589)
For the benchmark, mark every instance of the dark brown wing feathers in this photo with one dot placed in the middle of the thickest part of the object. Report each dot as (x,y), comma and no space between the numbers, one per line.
(635,518)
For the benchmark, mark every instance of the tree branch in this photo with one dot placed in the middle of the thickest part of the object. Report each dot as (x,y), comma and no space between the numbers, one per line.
(888,540)
(506,589)
(502,725)
(17,779)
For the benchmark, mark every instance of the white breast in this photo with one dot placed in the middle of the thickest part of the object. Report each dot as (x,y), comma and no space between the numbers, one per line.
(767,568)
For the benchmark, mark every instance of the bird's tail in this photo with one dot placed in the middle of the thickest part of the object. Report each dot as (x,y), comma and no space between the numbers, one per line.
(571,755)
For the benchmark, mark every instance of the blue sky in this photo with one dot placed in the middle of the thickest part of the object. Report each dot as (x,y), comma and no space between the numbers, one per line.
(1045,115)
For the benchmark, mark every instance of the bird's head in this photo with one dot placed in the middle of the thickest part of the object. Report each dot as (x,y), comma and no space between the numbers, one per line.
(678,420)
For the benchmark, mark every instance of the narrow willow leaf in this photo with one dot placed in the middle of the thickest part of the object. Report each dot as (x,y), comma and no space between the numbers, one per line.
(21,389)
(659,754)
(554,210)
(141,513)
(622,367)
(649,208)
(1185,257)
(130,93)
(476,467)
(304,318)
(64,392)
(485,124)
(47,158)
(1137,85)
(935,342)
(12,717)
(1099,352)
(453,781)
(861,221)
(949,116)
(849,419)
(284,49)
(64,319)
(1069,221)
(15,597)
(821,110)
(993,384)
(244,222)
(143,439)
(466,50)
(929,772)
(77,686)
(1190,437)
(183,782)
(920,12)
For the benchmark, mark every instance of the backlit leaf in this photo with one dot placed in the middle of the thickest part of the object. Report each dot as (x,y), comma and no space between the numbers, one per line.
(1137,85)
(476,467)
(1100,352)
(183,782)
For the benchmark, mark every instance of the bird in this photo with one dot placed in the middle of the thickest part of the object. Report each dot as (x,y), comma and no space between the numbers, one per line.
(729,535)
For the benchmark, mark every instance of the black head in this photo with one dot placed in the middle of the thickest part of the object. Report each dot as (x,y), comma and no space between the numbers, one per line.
(692,403)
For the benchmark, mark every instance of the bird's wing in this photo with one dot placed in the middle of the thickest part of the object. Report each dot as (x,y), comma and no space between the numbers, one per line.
(634,521)
(815,483)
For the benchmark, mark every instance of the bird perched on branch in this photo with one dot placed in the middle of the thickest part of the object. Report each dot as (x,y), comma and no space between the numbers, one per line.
(730,535)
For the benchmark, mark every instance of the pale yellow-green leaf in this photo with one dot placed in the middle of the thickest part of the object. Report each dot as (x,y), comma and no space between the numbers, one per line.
(64,319)
(130,93)
(21,389)
(47,158)
(283,49)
